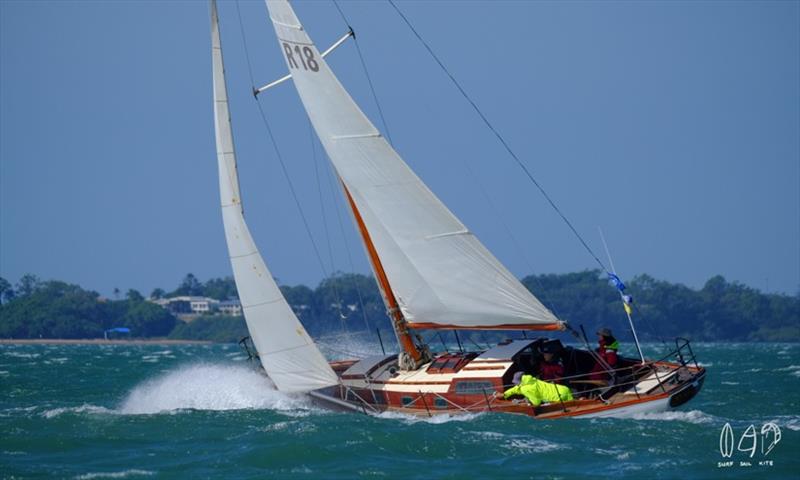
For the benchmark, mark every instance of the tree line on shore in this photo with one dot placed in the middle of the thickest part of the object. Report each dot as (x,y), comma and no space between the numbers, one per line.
(719,311)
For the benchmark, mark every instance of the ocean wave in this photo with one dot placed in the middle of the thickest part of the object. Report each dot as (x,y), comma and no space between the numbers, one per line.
(134,472)
(790,368)
(792,422)
(209,387)
(435,419)
(532,445)
(520,443)
(692,416)
(730,383)
(22,355)
(15,411)
(85,408)
(617,453)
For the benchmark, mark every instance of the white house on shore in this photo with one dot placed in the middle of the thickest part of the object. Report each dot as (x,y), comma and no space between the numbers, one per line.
(230,307)
(190,305)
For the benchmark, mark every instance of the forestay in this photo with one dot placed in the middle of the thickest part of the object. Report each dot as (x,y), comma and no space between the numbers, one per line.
(288,354)
(439,272)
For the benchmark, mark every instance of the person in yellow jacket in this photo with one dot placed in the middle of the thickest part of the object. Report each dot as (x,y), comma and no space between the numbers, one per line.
(538,391)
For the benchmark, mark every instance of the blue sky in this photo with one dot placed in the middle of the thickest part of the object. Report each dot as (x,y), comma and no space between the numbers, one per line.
(673,125)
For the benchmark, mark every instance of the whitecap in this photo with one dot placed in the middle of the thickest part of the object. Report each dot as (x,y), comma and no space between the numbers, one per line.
(532,445)
(209,387)
(730,383)
(22,355)
(134,472)
(520,443)
(85,408)
(790,368)
(792,422)
(275,427)
(15,411)
(616,453)
(692,416)
(435,419)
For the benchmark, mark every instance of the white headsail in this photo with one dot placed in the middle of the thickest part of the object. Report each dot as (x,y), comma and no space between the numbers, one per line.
(288,354)
(439,272)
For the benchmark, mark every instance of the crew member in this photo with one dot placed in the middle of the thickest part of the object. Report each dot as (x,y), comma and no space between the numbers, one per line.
(538,391)
(607,351)
(550,367)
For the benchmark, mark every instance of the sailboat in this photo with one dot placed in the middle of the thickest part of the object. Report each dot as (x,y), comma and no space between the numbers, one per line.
(433,274)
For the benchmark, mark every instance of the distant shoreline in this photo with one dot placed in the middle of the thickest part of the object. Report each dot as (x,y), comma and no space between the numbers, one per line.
(99,341)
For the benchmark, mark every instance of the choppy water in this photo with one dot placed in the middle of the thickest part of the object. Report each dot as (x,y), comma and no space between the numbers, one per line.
(199,411)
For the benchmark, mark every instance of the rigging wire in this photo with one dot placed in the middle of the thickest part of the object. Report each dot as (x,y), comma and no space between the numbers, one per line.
(325,223)
(499,137)
(366,72)
(283,164)
(336,208)
(319,191)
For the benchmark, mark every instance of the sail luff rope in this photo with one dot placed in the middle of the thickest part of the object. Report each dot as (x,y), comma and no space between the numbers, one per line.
(283,164)
(499,137)
(366,72)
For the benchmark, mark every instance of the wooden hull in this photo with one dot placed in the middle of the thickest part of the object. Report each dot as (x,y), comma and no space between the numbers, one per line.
(476,383)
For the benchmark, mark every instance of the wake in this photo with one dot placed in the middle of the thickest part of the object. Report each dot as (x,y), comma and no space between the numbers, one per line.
(209,386)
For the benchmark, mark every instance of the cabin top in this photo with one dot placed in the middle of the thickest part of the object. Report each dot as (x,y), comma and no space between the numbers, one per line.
(504,351)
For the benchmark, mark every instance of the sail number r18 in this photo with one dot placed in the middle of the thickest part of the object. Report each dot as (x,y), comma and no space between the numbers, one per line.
(306,56)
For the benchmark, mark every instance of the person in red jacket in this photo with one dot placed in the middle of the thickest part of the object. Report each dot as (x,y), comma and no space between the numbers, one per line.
(607,350)
(550,368)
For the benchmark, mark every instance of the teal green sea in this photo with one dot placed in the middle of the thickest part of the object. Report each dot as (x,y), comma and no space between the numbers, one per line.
(202,411)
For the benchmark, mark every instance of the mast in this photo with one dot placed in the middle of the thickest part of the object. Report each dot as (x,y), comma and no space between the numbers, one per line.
(399,323)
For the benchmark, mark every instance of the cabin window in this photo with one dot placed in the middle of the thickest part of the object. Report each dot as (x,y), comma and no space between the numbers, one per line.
(474,388)
(440,402)
(406,401)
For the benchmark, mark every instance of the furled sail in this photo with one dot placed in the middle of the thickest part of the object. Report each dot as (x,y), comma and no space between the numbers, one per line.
(288,354)
(440,273)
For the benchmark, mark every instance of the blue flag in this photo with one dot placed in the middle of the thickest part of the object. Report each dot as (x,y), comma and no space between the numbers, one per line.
(616,282)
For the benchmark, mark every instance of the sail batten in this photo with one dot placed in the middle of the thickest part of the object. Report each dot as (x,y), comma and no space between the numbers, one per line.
(287,352)
(440,273)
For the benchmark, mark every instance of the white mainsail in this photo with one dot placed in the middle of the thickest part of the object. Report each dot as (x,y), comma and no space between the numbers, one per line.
(288,354)
(439,272)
